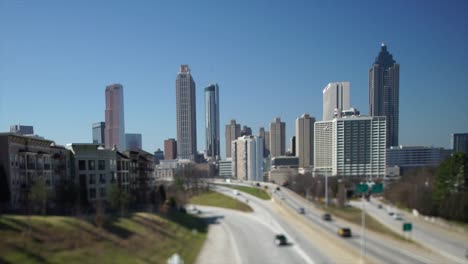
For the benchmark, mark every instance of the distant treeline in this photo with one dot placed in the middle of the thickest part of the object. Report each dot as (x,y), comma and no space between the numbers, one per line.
(436,191)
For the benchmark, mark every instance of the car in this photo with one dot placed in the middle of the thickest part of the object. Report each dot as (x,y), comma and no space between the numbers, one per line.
(236,192)
(379,206)
(301,210)
(391,213)
(278,188)
(280,240)
(327,217)
(398,217)
(344,232)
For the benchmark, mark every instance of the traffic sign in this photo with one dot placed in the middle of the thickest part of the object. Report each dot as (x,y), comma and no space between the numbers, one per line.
(407,227)
(361,188)
(377,188)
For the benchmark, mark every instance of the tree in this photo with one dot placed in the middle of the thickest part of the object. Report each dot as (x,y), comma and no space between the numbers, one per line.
(66,195)
(38,194)
(451,177)
(119,199)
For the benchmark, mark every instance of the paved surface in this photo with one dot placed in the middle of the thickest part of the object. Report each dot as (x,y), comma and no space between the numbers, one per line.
(239,237)
(379,248)
(447,243)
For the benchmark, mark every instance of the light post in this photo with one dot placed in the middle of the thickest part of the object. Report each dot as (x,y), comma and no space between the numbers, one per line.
(326,190)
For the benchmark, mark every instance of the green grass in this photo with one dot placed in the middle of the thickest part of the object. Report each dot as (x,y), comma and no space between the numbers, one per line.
(138,238)
(353,215)
(211,198)
(257,192)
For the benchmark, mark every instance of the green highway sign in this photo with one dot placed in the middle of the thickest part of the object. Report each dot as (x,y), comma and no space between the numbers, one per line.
(407,227)
(361,188)
(377,188)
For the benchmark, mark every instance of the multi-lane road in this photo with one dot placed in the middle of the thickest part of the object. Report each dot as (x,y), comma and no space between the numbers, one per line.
(448,243)
(313,240)
(239,237)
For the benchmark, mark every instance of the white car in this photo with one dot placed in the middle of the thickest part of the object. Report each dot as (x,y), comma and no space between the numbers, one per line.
(397,216)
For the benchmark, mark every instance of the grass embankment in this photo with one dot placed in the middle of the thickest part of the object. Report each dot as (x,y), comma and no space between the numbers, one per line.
(211,198)
(353,215)
(257,192)
(138,238)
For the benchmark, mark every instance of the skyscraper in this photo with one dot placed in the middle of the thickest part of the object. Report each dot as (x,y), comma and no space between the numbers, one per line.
(170,149)
(212,149)
(305,140)
(384,92)
(277,138)
(186,115)
(350,145)
(460,142)
(293,146)
(247,158)
(99,132)
(115,125)
(266,141)
(246,131)
(133,141)
(232,132)
(335,96)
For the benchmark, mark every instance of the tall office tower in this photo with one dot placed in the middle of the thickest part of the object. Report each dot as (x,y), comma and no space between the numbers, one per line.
(247,158)
(246,131)
(186,115)
(305,140)
(133,141)
(335,97)
(115,124)
(384,92)
(266,141)
(350,145)
(277,138)
(460,142)
(170,149)
(293,146)
(212,121)
(99,132)
(22,130)
(232,133)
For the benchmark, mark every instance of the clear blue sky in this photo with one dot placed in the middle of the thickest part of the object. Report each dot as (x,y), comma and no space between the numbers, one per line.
(270,58)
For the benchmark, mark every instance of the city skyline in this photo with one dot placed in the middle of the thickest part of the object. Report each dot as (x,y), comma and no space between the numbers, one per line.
(155,79)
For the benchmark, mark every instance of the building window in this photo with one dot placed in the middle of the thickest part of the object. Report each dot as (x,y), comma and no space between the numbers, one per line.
(82,165)
(92,193)
(102,178)
(102,192)
(91,165)
(101,164)
(92,179)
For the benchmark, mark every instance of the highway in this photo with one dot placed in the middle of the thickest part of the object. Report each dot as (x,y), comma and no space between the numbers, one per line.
(447,243)
(239,237)
(268,219)
(378,248)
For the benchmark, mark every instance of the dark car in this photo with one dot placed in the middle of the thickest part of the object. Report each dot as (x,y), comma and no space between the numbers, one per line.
(278,188)
(344,232)
(379,206)
(280,240)
(327,217)
(301,210)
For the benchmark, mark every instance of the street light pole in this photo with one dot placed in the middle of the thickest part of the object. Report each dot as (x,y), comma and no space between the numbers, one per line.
(363,227)
(326,190)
